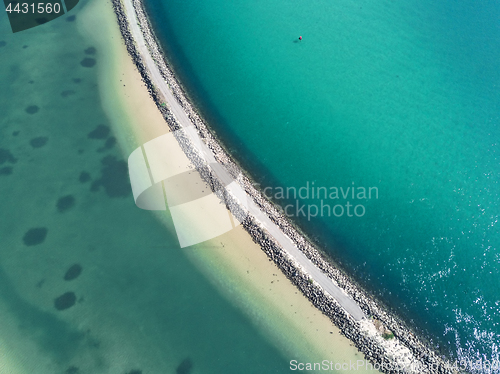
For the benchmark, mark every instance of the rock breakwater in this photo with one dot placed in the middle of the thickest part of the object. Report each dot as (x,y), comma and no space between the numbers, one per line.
(405,353)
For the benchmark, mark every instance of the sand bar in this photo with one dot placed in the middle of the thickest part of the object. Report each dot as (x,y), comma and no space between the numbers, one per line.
(233,262)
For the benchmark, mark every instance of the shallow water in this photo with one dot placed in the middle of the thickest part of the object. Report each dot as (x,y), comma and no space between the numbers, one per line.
(398,96)
(88,282)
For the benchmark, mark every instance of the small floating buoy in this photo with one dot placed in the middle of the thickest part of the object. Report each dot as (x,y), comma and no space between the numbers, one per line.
(300,37)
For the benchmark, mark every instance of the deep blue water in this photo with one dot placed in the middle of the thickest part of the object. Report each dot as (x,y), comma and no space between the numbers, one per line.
(400,96)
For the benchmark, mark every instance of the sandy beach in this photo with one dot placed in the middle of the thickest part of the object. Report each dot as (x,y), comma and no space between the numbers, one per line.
(233,262)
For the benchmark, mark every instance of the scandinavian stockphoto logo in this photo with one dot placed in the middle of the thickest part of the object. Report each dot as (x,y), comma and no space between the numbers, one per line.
(311,201)
(162,176)
(26,14)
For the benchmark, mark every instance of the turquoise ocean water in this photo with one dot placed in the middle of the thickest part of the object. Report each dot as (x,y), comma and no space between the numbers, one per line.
(88,282)
(402,96)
